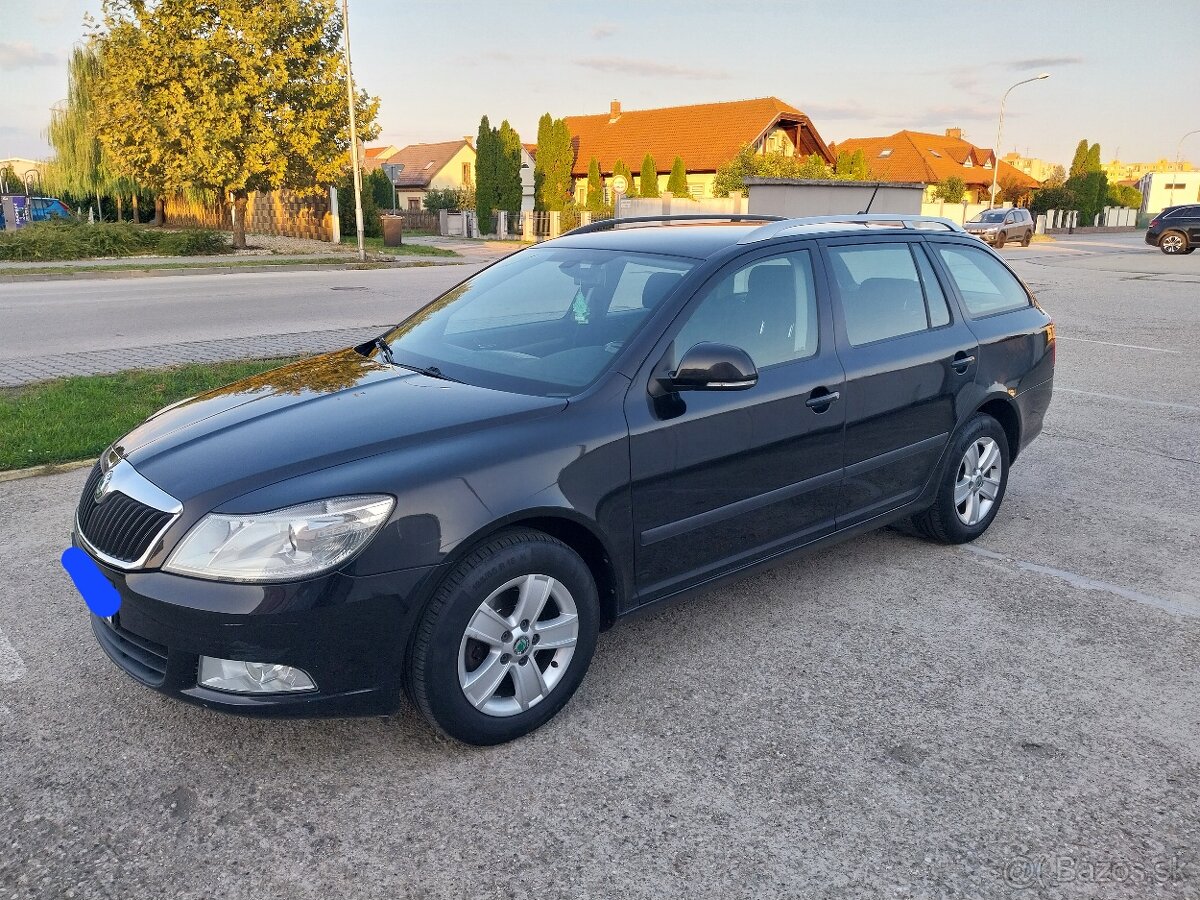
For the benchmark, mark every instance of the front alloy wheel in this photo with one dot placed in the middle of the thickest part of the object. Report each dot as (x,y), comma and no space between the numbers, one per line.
(506,638)
(518,645)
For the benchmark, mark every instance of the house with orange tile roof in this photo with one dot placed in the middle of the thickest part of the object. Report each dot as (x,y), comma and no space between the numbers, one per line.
(704,135)
(917,156)
(426,167)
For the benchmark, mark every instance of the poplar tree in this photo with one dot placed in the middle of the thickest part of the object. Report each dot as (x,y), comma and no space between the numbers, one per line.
(485,174)
(509,187)
(677,183)
(595,187)
(553,164)
(649,177)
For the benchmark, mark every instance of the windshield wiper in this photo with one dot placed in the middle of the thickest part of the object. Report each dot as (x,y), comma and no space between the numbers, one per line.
(430,371)
(386,349)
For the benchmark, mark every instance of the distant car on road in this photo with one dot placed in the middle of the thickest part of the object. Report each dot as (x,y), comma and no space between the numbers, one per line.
(1176,229)
(996,226)
(33,209)
(588,427)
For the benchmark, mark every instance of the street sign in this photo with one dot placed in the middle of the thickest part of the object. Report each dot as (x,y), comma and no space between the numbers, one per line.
(392,171)
(620,184)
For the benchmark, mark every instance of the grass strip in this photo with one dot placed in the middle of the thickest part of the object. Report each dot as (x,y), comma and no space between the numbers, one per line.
(76,418)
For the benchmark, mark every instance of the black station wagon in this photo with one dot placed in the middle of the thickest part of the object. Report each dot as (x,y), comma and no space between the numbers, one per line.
(593,425)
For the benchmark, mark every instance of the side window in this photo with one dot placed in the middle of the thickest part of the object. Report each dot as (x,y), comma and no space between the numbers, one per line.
(880,291)
(767,307)
(935,298)
(643,285)
(985,284)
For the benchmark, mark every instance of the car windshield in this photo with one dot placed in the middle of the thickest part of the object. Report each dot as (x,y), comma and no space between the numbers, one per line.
(990,215)
(546,321)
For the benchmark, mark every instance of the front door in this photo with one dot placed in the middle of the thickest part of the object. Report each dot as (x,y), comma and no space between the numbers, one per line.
(907,358)
(722,478)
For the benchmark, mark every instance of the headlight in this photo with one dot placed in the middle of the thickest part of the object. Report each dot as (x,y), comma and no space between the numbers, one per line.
(283,545)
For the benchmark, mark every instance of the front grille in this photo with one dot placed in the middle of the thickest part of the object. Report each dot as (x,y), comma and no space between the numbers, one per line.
(118,526)
(142,658)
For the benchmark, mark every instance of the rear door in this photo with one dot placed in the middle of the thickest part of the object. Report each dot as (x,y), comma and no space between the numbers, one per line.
(908,357)
(722,478)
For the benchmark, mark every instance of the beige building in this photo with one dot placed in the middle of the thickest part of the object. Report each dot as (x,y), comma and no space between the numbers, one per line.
(1134,171)
(22,166)
(426,167)
(1037,169)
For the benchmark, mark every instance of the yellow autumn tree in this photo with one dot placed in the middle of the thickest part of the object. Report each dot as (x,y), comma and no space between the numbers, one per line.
(226,97)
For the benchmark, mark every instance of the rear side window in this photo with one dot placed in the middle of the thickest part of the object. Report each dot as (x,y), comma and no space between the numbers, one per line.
(882,293)
(986,286)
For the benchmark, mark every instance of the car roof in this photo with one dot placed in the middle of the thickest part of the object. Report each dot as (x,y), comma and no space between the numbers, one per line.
(700,240)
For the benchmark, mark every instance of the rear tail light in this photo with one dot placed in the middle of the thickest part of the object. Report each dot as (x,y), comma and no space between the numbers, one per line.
(1154,223)
(1052,342)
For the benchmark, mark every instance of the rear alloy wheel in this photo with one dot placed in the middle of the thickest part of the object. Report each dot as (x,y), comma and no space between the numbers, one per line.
(1000,238)
(972,487)
(506,639)
(1173,242)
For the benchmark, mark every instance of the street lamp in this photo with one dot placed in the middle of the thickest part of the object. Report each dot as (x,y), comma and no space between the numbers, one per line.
(1178,151)
(1000,130)
(358,213)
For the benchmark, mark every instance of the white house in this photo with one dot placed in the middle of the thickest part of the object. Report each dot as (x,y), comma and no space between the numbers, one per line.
(1163,189)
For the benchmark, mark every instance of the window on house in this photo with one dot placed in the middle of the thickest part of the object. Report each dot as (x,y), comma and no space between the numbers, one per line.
(884,154)
(414,204)
(429,164)
(935,153)
(696,189)
(466,173)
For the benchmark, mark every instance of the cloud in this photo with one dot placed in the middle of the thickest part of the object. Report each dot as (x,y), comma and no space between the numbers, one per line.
(603,30)
(24,56)
(849,110)
(1045,62)
(647,68)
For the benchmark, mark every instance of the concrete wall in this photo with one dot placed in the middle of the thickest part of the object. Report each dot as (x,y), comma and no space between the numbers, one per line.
(795,197)
(673,206)
(282,213)
(1157,194)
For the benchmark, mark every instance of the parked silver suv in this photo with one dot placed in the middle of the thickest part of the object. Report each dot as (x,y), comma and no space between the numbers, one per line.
(999,225)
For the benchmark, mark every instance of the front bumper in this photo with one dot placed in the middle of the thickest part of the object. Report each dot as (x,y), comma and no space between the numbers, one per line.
(988,237)
(350,634)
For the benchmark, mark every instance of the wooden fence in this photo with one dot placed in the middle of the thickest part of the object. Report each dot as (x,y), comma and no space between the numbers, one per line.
(283,213)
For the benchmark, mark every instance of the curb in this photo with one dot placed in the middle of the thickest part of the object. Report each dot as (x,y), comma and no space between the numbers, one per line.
(117,272)
(47,469)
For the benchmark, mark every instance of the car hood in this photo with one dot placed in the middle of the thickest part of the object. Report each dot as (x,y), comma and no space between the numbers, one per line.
(305,417)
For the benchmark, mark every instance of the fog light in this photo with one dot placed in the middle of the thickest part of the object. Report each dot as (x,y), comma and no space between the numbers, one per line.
(240,677)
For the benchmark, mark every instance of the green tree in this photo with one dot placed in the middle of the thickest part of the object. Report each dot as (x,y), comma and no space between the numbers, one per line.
(860,169)
(508,174)
(1093,158)
(649,177)
(444,198)
(553,184)
(380,187)
(1052,198)
(1124,195)
(1090,191)
(1056,178)
(1079,161)
(486,170)
(677,184)
(732,175)
(226,97)
(9,180)
(950,190)
(595,187)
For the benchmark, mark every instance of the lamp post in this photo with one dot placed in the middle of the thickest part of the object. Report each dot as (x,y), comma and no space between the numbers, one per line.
(1000,131)
(1178,152)
(358,213)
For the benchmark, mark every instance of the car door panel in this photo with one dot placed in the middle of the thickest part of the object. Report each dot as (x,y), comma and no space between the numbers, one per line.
(719,478)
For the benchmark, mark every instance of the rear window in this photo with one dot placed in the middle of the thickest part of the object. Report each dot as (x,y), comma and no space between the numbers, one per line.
(882,293)
(986,286)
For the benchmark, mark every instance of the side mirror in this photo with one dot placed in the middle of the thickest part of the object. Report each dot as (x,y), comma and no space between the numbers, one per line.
(714,367)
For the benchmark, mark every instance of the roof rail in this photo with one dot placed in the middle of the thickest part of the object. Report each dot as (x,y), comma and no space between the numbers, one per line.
(606,224)
(774,229)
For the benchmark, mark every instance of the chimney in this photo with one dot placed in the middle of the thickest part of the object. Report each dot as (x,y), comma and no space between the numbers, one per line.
(470,139)
(614,111)
(955,133)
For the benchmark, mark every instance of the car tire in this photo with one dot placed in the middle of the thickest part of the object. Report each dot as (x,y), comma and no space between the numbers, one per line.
(1172,242)
(1000,238)
(459,646)
(952,519)
(1027,239)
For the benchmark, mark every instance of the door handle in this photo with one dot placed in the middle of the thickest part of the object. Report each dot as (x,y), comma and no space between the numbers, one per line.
(961,362)
(821,402)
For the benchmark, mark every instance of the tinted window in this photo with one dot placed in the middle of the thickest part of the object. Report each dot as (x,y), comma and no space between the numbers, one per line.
(935,298)
(542,321)
(768,308)
(880,291)
(985,284)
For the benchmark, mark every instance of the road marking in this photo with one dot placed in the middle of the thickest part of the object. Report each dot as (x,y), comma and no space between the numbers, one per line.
(12,667)
(1161,403)
(1113,344)
(1186,607)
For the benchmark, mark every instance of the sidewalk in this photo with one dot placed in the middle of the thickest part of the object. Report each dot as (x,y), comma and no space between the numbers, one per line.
(14,373)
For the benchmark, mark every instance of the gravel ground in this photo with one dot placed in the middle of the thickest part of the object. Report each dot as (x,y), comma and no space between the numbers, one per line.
(890,718)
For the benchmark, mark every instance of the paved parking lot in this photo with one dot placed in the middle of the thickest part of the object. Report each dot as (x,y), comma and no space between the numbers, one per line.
(1017,717)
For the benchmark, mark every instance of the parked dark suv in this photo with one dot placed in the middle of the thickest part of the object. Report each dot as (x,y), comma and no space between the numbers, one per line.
(599,423)
(997,226)
(1176,229)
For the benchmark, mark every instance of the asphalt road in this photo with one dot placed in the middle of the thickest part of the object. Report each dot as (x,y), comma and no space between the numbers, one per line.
(96,314)
(891,718)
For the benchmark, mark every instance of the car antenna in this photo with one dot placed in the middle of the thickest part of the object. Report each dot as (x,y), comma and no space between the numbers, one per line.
(872,200)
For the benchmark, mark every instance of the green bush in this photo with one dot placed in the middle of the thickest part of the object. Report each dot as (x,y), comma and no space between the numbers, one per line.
(193,242)
(79,240)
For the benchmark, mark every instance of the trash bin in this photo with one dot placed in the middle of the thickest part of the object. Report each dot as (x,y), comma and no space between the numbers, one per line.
(393,230)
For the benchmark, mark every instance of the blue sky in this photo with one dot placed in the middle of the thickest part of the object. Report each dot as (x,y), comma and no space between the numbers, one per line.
(1121,75)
